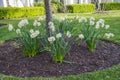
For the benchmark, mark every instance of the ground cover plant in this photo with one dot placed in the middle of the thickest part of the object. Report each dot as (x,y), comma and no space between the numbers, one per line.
(115,39)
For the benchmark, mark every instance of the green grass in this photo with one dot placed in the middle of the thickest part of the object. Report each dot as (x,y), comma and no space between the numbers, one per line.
(113,73)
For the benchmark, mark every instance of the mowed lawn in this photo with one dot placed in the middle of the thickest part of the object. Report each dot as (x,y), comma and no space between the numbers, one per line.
(112,18)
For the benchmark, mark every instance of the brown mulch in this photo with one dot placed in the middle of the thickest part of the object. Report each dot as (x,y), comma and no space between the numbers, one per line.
(81,60)
(103,12)
(1,25)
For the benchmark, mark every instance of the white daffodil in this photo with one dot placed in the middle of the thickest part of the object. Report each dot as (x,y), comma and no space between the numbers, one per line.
(18,31)
(92,22)
(92,18)
(10,27)
(58,35)
(81,36)
(61,19)
(37,32)
(107,26)
(26,21)
(34,34)
(101,23)
(31,31)
(23,23)
(36,23)
(50,23)
(82,19)
(102,20)
(51,39)
(109,35)
(68,34)
(51,26)
(40,18)
(97,26)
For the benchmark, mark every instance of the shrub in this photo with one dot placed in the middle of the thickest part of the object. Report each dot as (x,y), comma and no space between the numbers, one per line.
(11,12)
(110,6)
(59,5)
(39,4)
(56,6)
(80,8)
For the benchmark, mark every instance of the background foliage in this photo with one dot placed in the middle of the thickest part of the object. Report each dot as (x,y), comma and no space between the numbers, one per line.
(13,12)
(80,8)
(110,6)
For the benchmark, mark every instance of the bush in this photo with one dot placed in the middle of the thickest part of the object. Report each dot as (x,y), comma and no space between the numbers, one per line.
(39,4)
(10,12)
(110,6)
(56,6)
(80,8)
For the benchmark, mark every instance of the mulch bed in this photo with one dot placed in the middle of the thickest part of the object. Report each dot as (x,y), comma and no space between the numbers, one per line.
(13,63)
(1,25)
(102,12)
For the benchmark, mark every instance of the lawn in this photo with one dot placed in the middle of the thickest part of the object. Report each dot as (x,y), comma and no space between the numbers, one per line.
(112,18)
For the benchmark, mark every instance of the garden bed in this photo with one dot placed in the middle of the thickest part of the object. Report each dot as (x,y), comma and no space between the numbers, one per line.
(80,60)
(1,25)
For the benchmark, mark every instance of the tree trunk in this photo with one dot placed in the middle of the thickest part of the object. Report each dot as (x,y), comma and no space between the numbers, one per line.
(48,12)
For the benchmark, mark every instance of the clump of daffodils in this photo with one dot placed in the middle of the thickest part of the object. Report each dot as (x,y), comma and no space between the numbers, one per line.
(59,42)
(92,31)
(29,38)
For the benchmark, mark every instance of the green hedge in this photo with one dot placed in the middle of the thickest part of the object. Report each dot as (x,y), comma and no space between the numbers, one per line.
(80,8)
(110,6)
(12,12)
(56,6)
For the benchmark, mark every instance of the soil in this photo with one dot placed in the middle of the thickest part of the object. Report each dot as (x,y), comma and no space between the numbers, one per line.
(1,25)
(102,12)
(12,62)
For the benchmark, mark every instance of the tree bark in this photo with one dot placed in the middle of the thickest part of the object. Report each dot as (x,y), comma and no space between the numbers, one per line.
(48,12)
